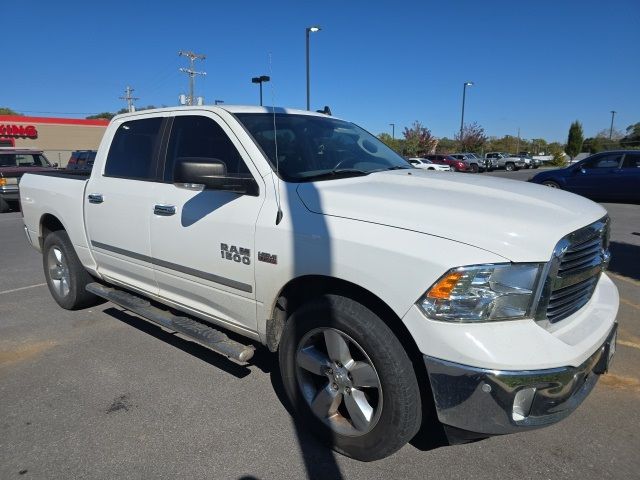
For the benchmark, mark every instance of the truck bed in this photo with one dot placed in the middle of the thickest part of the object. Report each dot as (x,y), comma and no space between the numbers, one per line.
(60,194)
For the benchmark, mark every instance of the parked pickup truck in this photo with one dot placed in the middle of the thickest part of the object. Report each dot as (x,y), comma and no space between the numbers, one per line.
(385,300)
(506,161)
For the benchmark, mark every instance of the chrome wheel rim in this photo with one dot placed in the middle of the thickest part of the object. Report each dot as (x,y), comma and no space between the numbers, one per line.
(58,272)
(551,185)
(338,381)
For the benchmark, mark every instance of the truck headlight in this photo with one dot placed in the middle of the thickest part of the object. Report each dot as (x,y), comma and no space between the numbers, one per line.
(483,293)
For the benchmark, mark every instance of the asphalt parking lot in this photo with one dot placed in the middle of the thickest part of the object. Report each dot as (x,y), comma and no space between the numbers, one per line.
(99,393)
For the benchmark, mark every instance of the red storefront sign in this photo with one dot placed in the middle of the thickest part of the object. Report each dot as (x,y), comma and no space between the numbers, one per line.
(28,131)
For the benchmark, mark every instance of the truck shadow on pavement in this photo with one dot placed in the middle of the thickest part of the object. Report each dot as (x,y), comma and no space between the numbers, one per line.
(625,260)
(187,346)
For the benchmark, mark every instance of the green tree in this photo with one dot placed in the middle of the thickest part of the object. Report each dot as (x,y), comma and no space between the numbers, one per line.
(396,144)
(632,138)
(447,145)
(8,111)
(575,139)
(418,140)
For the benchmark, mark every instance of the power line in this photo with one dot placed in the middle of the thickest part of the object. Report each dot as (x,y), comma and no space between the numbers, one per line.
(191,72)
(129,98)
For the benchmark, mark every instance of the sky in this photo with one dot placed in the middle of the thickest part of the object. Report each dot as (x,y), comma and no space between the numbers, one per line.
(536,65)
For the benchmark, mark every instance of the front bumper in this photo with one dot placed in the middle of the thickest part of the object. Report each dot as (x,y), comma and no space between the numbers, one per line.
(10,192)
(495,402)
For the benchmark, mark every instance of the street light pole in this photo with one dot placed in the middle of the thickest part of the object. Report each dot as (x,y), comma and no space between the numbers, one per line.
(613,114)
(261,79)
(393,130)
(464,94)
(308,30)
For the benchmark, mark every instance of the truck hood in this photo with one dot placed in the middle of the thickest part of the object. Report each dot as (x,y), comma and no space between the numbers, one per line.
(519,221)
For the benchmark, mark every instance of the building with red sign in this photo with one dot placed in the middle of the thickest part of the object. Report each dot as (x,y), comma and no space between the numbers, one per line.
(56,137)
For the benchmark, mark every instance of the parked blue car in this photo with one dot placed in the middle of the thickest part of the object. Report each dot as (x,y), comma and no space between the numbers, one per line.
(603,176)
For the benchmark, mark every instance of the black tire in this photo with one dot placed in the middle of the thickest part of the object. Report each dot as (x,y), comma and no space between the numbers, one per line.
(430,168)
(551,184)
(69,289)
(509,166)
(474,168)
(399,416)
(4,206)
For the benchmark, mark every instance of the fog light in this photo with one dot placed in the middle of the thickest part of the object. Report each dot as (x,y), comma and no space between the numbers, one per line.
(522,404)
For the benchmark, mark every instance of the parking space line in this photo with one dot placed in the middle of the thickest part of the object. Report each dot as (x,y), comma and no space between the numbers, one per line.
(23,288)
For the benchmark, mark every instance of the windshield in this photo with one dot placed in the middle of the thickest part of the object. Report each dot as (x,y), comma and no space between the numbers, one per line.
(23,160)
(309,147)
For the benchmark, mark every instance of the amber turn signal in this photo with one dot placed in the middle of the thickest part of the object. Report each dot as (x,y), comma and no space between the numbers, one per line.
(443,288)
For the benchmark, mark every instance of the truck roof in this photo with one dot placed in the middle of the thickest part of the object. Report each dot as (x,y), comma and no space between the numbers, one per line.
(228,108)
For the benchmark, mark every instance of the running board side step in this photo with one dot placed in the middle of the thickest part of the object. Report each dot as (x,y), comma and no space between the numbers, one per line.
(203,334)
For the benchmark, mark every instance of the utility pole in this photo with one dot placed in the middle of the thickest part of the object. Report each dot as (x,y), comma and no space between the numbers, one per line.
(393,130)
(129,98)
(613,114)
(191,72)
(518,144)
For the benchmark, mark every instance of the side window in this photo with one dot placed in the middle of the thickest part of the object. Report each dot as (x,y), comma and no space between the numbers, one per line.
(134,149)
(605,161)
(201,137)
(631,160)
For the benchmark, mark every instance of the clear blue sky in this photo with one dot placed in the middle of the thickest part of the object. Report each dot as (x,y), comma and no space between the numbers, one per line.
(536,65)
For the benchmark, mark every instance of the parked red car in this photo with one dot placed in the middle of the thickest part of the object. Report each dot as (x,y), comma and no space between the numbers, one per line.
(455,164)
(14,162)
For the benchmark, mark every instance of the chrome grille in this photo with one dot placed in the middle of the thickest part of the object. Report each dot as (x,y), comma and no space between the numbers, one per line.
(578,260)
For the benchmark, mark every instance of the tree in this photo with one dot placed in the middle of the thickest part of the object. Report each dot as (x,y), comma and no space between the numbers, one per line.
(8,111)
(632,138)
(418,140)
(393,143)
(103,115)
(575,139)
(446,145)
(472,138)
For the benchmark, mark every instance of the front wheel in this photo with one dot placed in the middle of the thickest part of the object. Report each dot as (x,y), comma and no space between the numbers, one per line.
(474,168)
(510,167)
(4,206)
(65,275)
(550,184)
(349,379)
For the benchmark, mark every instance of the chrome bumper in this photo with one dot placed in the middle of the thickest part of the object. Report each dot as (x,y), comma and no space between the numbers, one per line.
(495,402)
(10,192)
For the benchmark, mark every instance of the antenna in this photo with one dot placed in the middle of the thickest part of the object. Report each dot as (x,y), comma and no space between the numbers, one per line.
(130,99)
(191,72)
(275,141)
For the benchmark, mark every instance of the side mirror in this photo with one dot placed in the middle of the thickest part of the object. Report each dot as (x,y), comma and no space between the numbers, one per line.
(211,174)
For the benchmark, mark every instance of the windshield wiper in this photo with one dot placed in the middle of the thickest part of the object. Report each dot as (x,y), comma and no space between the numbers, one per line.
(399,167)
(342,173)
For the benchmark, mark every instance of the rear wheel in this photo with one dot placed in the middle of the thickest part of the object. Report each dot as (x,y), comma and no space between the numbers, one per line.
(65,275)
(349,379)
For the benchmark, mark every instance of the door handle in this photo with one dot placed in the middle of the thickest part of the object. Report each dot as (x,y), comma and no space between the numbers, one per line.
(164,210)
(95,198)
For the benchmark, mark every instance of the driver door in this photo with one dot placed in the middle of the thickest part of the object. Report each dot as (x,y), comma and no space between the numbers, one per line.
(202,241)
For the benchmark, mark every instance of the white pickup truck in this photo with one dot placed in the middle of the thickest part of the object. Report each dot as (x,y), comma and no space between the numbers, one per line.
(300,232)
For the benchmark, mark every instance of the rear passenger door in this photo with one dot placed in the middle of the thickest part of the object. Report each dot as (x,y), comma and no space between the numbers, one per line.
(630,176)
(202,241)
(119,204)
